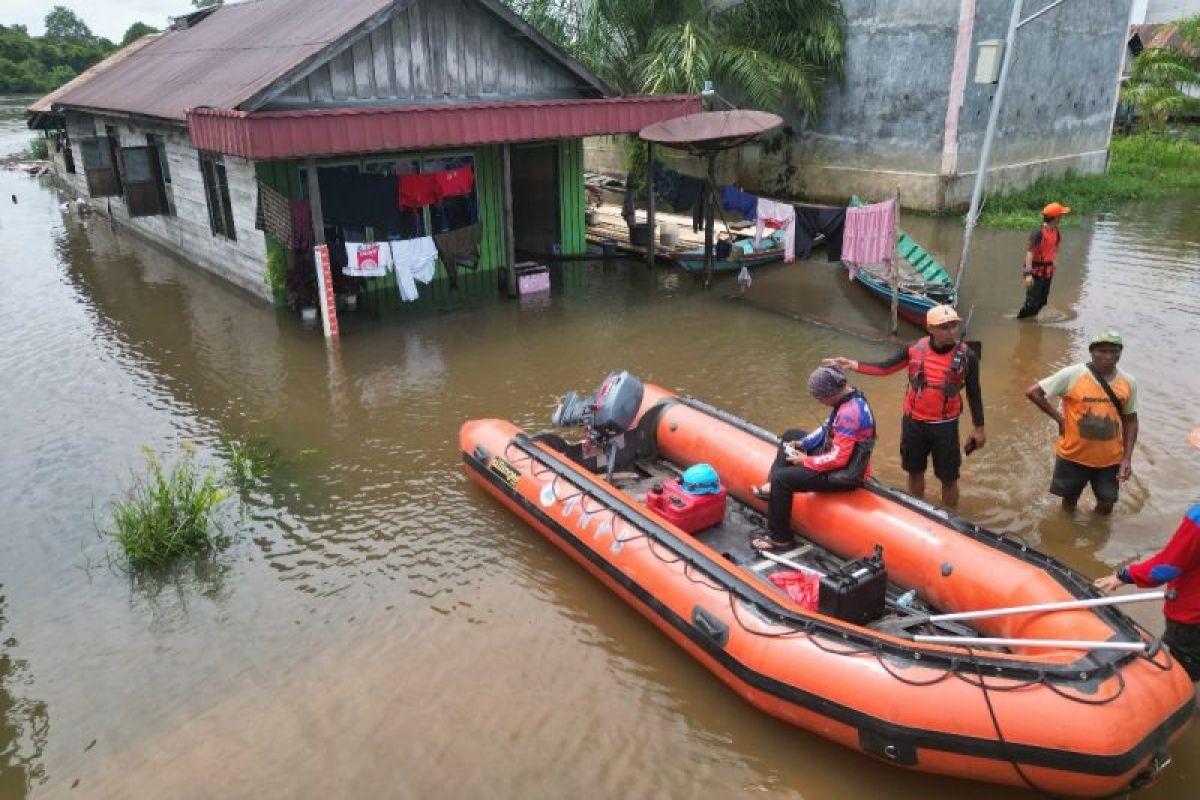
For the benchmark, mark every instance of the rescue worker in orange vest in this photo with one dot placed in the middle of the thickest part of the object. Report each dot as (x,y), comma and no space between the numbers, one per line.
(940,366)
(1039,260)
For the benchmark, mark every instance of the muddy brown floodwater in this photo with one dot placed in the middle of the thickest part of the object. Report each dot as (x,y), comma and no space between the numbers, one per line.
(380,628)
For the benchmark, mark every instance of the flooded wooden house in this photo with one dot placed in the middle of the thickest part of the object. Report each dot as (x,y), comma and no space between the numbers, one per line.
(247,133)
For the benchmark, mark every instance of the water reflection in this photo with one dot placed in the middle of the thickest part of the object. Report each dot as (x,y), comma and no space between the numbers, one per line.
(24,723)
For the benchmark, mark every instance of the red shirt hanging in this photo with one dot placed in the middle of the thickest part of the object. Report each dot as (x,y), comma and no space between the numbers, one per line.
(419,190)
(455,182)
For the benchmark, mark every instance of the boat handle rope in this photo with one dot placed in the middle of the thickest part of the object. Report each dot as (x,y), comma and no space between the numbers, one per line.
(805,628)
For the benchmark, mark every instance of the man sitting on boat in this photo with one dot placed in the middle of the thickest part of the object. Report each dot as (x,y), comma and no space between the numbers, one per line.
(940,366)
(834,458)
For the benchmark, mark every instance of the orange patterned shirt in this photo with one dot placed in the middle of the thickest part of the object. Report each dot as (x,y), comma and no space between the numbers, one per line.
(1091,424)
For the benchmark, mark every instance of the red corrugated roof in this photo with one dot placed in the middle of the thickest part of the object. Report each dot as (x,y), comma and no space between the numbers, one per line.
(268,135)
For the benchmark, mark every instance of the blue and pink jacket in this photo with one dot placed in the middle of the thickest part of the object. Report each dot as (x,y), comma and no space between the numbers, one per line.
(844,443)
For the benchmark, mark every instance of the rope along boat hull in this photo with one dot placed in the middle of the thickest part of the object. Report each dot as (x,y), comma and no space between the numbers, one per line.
(1061,721)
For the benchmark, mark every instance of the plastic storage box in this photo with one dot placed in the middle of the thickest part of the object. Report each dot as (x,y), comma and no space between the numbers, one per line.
(532,278)
(689,512)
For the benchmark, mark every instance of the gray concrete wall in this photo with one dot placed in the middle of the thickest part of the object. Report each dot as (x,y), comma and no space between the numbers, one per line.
(1058,105)
(884,129)
(185,232)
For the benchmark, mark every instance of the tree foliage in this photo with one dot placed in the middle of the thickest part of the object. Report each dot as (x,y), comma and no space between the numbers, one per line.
(207,3)
(1165,81)
(40,64)
(136,31)
(767,52)
(62,23)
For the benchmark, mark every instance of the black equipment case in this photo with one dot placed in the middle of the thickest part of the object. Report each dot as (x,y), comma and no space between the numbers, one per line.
(855,591)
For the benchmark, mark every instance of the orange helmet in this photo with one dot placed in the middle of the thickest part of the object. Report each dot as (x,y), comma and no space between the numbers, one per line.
(940,315)
(1055,210)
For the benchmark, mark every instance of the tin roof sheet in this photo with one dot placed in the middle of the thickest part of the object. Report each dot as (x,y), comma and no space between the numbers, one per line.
(238,50)
(223,59)
(325,132)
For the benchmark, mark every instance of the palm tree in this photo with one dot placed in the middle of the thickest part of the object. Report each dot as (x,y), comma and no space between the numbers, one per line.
(765,51)
(1165,81)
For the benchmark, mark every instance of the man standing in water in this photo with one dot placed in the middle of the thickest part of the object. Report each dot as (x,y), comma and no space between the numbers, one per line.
(1039,260)
(1097,426)
(940,366)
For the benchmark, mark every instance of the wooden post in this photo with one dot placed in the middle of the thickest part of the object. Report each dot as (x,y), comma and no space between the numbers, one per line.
(510,244)
(650,205)
(895,269)
(708,219)
(314,201)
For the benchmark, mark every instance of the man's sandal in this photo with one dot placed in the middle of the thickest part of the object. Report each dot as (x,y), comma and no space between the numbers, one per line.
(765,544)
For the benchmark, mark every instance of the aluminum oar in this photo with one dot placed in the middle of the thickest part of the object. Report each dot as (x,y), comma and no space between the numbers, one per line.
(1057,644)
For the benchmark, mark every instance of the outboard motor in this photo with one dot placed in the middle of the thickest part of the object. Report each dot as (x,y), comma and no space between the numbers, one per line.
(607,414)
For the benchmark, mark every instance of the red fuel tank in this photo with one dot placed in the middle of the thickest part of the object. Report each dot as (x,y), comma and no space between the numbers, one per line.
(688,512)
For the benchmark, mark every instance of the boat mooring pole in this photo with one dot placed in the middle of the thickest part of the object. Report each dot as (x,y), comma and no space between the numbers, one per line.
(895,270)
(1057,644)
(709,222)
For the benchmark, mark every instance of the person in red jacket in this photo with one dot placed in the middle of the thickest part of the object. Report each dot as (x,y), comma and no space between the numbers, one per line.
(1039,260)
(940,366)
(1178,566)
(836,457)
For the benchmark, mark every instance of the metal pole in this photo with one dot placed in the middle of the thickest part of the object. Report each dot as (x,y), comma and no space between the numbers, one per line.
(1037,14)
(988,138)
(1057,644)
(1060,606)
(652,245)
(789,563)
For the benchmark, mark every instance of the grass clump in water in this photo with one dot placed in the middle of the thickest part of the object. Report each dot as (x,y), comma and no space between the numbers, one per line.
(249,461)
(166,515)
(1142,167)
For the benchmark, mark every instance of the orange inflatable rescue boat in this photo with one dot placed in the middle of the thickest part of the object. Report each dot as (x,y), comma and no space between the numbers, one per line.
(861,633)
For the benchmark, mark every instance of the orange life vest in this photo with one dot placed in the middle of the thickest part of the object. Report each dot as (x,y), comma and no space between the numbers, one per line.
(935,382)
(1045,251)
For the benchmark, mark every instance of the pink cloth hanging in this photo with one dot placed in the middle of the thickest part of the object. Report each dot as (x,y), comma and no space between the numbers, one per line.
(870,234)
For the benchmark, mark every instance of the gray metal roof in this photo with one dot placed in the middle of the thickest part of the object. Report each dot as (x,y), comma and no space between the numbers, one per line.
(232,54)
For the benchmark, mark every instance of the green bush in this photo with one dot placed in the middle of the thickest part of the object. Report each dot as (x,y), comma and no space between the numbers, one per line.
(1141,167)
(38,149)
(166,515)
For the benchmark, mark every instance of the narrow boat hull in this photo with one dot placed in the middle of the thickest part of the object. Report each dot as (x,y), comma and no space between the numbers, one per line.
(909,306)
(1082,725)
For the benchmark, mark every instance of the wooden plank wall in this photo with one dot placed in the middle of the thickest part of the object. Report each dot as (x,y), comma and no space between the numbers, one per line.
(431,50)
(186,231)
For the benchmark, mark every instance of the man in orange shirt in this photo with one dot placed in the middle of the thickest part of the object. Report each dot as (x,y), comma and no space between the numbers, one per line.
(1097,426)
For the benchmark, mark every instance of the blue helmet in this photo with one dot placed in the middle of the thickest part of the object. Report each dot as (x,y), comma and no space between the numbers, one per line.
(700,479)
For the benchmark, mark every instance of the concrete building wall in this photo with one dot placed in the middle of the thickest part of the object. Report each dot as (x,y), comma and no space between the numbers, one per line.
(906,120)
(1058,106)
(186,231)
(1164,10)
(882,128)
